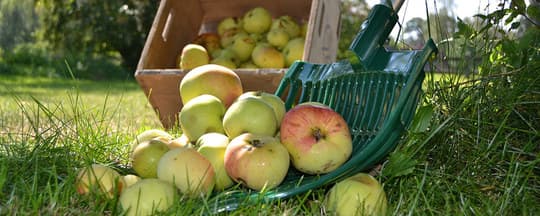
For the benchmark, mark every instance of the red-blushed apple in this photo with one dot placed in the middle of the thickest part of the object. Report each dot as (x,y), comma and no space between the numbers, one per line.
(98,178)
(360,194)
(211,79)
(317,138)
(250,115)
(147,197)
(188,170)
(212,146)
(256,161)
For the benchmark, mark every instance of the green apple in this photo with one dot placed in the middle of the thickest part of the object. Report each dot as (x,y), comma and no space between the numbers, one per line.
(100,179)
(288,24)
(147,197)
(145,157)
(211,79)
(242,46)
(275,101)
(317,138)
(257,20)
(212,146)
(265,55)
(303,29)
(188,170)
(192,56)
(229,55)
(148,135)
(200,115)
(294,50)
(227,37)
(360,194)
(256,161)
(228,23)
(250,115)
(277,37)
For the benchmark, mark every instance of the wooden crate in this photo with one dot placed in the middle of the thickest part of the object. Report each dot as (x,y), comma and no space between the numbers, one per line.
(178,23)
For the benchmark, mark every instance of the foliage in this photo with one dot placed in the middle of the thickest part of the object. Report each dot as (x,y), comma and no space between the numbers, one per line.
(89,26)
(353,13)
(18,21)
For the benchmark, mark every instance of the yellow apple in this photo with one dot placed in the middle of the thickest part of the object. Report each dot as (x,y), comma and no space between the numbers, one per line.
(256,161)
(294,50)
(257,20)
(188,170)
(242,46)
(265,55)
(148,135)
(228,23)
(211,79)
(212,146)
(248,64)
(192,56)
(146,155)
(147,197)
(98,178)
(288,24)
(225,62)
(180,142)
(200,115)
(317,138)
(277,37)
(129,180)
(210,41)
(360,194)
(250,115)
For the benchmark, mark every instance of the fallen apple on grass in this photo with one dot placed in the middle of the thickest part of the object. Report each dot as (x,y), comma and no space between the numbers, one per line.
(212,146)
(360,194)
(250,115)
(146,155)
(148,135)
(317,138)
(256,161)
(100,179)
(188,170)
(147,197)
(211,79)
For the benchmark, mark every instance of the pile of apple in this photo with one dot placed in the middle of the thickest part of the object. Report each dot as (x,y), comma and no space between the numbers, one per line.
(229,137)
(255,40)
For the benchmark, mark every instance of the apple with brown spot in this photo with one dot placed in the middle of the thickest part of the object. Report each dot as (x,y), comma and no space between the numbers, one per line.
(317,138)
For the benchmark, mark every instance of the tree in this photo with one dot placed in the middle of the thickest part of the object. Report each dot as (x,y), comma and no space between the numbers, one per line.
(353,13)
(18,21)
(92,26)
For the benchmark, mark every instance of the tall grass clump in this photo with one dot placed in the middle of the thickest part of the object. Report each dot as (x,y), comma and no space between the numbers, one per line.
(477,151)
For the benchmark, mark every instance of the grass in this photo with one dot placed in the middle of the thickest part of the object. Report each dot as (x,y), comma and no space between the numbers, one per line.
(462,163)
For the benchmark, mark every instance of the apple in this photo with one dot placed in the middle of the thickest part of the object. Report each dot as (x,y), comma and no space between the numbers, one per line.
(180,142)
(251,115)
(145,157)
(148,135)
(188,170)
(277,38)
(229,54)
(242,46)
(225,62)
(211,79)
(288,24)
(147,197)
(303,29)
(228,23)
(275,101)
(360,194)
(257,20)
(200,115)
(265,55)
(294,50)
(210,41)
(129,180)
(192,56)
(317,138)
(212,146)
(227,37)
(248,64)
(256,161)
(98,178)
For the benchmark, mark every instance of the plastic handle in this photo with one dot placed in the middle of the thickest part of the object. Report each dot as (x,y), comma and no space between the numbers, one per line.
(396,4)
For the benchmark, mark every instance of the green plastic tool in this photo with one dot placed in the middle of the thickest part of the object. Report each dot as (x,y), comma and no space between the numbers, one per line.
(376,91)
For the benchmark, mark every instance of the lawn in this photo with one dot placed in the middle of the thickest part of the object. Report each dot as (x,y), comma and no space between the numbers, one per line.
(463,163)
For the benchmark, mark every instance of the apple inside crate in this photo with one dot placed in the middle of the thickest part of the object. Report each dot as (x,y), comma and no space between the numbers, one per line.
(178,23)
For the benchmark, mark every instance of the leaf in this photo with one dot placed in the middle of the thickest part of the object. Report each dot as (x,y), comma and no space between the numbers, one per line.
(399,164)
(422,119)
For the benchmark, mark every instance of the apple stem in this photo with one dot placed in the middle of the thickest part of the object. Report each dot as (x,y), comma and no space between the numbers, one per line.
(317,133)
(255,143)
